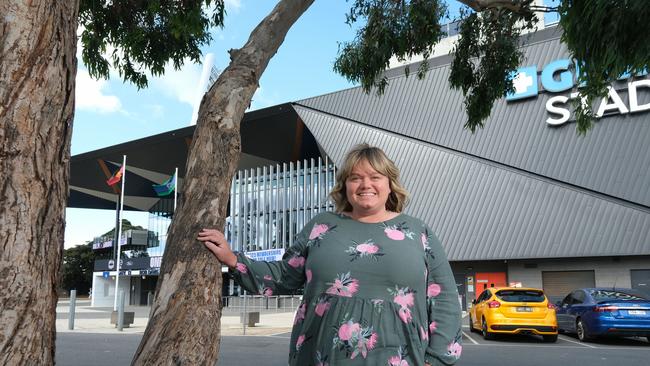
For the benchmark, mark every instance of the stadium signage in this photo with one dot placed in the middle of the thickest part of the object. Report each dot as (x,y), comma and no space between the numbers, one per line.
(558,77)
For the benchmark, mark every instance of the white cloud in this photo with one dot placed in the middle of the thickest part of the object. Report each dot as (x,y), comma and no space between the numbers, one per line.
(262,100)
(90,96)
(179,84)
(156,111)
(233,5)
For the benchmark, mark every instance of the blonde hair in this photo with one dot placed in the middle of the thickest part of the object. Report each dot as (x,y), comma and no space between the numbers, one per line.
(397,198)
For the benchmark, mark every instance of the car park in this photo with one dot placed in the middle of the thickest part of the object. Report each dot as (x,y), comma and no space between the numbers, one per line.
(595,312)
(511,310)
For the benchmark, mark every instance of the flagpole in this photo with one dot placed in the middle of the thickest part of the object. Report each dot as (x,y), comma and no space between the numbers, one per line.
(119,233)
(175,188)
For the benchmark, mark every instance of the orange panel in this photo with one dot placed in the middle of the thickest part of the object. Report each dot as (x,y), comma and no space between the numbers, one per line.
(484,280)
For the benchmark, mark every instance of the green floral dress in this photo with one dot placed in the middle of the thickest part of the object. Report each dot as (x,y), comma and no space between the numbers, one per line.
(375,294)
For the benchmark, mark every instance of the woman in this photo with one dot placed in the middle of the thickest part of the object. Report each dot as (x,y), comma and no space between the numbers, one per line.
(378,287)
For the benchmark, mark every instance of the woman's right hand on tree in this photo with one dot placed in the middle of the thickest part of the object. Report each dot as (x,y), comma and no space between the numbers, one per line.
(218,245)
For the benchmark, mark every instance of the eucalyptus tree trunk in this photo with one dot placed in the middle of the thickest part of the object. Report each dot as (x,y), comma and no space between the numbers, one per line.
(184,323)
(37,81)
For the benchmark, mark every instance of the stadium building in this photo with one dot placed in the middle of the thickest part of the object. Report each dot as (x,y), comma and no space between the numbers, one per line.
(525,201)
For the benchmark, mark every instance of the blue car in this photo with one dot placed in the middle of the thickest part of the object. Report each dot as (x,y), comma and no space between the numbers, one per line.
(594,312)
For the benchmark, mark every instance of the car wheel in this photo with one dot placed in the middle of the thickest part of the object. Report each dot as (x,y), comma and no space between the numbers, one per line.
(550,338)
(583,336)
(486,333)
(471,325)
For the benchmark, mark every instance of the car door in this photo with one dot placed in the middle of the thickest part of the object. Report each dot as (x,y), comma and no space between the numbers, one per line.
(577,308)
(562,313)
(480,307)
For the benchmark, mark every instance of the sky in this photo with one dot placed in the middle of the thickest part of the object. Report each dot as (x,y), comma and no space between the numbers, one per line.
(110,112)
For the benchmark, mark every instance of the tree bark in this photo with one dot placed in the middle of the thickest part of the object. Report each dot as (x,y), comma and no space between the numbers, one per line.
(184,323)
(37,82)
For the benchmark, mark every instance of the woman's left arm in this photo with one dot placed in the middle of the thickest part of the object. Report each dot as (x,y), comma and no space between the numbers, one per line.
(443,307)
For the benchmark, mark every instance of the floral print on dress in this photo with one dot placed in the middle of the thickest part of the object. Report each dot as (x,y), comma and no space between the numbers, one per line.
(320,359)
(378,304)
(425,240)
(343,285)
(432,327)
(241,268)
(266,291)
(296,261)
(300,341)
(398,232)
(399,359)
(300,314)
(433,290)
(354,339)
(322,305)
(454,349)
(318,232)
(404,297)
(347,302)
(367,249)
(424,334)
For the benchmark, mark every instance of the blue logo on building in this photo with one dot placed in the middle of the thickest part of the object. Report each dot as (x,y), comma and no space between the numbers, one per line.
(525,83)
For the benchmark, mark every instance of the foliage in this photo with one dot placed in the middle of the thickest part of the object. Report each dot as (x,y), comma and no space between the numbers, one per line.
(486,56)
(144,35)
(78,265)
(126,225)
(393,28)
(606,38)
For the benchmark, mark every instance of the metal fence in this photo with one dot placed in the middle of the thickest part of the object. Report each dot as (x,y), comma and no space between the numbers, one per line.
(270,204)
(270,304)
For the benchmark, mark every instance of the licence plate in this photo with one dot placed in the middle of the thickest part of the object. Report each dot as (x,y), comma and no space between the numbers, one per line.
(636,312)
(524,309)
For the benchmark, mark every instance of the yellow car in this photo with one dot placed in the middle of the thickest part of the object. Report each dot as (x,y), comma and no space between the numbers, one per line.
(510,310)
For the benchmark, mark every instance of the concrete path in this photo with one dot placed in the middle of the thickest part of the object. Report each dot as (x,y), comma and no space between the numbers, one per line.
(97,320)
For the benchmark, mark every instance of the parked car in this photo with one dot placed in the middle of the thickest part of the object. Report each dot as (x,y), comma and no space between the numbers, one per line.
(593,312)
(511,310)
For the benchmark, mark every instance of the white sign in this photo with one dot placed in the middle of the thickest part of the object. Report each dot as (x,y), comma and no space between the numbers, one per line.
(266,255)
(154,262)
(557,76)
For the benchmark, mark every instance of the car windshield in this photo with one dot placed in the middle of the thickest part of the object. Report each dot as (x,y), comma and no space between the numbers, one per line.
(615,295)
(521,295)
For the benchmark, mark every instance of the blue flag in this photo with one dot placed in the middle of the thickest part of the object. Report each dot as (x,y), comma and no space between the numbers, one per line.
(165,188)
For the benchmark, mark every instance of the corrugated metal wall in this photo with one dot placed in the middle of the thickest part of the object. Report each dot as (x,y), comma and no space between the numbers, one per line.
(613,159)
(482,210)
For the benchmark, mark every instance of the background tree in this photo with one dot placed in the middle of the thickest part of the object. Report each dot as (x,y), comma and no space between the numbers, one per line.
(78,263)
(37,77)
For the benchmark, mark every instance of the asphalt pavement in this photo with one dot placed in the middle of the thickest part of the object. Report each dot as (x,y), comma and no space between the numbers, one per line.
(95,342)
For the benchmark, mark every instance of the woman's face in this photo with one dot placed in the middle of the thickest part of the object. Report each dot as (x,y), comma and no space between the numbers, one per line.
(367,189)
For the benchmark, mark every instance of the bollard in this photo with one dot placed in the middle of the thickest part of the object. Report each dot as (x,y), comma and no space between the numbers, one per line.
(73,300)
(149,298)
(120,311)
(245,312)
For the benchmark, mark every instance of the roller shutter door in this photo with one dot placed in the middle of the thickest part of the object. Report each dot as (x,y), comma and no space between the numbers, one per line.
(558,284)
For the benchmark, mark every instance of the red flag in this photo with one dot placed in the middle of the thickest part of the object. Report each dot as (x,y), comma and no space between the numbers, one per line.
(116,177)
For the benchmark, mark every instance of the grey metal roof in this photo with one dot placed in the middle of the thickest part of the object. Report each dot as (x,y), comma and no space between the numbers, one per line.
(613,159)
(484,210)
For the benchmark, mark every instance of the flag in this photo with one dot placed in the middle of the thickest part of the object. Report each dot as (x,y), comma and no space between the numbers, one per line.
(165,188)
(116,176)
